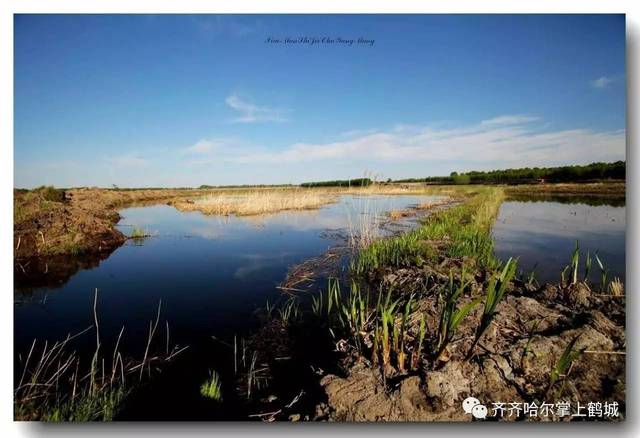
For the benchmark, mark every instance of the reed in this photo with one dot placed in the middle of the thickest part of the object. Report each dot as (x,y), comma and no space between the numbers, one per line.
(575,263)
(317,304)
(56,385)
(587,267)
(531,277)
(564,362)
(289,312)
(401,352)
(268,310)
(256,377)
(356,314)
(525,350)
(387,322)
(212,387)
(363,222)
(257,202)
(333,295)
(417,353)
(603,274)
(616,288)
(495,292)
(451,315)
(139,233)
(463,229)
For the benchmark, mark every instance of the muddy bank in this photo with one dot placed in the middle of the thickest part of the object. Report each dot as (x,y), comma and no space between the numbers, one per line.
(431,318)
(56,232)
(512,362)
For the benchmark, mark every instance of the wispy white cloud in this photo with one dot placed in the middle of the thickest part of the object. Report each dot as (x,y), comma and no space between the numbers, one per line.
(602,82)
(514,140)
(357,132)
(202,147)
(517,119)
(127,160)
(251,113)
(216,150)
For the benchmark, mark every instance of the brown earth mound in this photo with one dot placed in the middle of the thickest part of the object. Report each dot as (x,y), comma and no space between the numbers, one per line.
(512,362)
(52,227)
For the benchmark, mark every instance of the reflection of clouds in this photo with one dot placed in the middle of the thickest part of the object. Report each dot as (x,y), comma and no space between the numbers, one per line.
(341,215)
(338,215)
(167,221)
(258,262)
(138,216)
(206,232)
(327,217)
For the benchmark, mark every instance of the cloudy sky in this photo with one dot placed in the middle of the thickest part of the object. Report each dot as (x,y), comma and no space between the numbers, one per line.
(189,100)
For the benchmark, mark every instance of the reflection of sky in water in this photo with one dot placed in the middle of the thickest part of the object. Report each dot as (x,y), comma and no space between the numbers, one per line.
(211,272)
(165,221)
(545,233)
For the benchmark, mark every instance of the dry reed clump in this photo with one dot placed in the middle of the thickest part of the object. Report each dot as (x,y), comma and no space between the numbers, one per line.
(397,214)
(257,202)
(436,203)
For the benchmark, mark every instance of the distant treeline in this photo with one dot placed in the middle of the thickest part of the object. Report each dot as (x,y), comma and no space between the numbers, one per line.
(589,172)
(240,186)
(356,182)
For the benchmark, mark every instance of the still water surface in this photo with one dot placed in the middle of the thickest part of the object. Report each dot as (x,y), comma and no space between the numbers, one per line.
(213,273)
(543,235)
(210,272)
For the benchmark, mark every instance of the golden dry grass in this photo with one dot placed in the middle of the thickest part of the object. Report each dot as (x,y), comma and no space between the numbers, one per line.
(257,202)
(397,214)
(616,288)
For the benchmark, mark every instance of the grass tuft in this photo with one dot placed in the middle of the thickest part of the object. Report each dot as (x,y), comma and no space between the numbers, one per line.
(212,387)
(451,315)
(139,233)
(495,292)
(560,369)
(50,193)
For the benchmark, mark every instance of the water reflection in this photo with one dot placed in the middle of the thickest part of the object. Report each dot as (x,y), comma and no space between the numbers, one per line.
(613,201)
(543,234)
(211,272)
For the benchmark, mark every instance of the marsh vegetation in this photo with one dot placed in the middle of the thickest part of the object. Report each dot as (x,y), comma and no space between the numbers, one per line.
(58,384)
(413,298)
(256,202)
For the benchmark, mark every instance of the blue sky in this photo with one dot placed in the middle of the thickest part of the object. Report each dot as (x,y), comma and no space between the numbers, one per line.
(184,100)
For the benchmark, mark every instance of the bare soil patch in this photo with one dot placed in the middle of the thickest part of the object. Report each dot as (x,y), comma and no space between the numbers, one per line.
(512,362)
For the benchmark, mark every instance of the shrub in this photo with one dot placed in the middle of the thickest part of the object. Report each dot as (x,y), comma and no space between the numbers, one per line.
(50,193)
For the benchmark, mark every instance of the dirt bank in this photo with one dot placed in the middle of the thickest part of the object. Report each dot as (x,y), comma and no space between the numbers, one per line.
(57,232)
(512,363)
(431,318)
(53,227)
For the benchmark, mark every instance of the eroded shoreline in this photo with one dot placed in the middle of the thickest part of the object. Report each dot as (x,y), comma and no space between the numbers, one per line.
(54,238)
(321,355)
(401,360)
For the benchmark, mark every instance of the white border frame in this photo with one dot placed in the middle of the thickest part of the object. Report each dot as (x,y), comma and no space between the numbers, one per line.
(9,7)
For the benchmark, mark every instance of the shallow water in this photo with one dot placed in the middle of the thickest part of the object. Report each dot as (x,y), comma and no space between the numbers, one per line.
(211,273)
(543,235)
